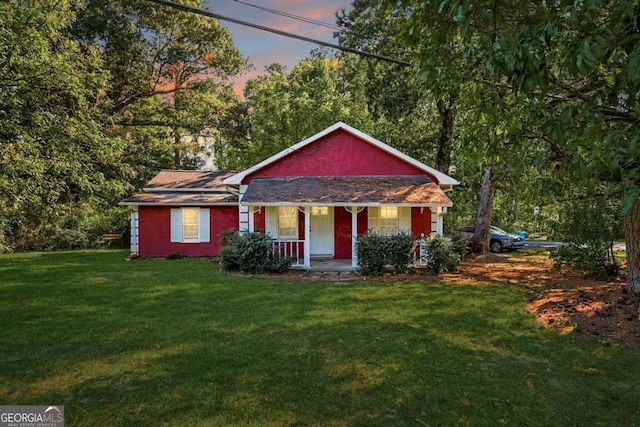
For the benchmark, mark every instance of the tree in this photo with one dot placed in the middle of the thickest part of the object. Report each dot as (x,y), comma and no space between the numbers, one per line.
(289,107)
(578,66)
(86,114)
(404,109)
(184,60)
(54,156)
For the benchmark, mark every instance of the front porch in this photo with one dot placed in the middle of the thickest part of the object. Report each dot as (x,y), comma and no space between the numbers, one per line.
(312,218)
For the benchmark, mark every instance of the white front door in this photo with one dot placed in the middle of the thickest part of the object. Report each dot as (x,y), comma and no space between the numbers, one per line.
(321,231)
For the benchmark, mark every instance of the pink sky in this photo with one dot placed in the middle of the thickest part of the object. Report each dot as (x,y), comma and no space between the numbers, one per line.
(263,48)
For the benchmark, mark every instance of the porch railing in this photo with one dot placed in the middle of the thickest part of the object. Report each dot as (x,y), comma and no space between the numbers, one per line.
(293,249)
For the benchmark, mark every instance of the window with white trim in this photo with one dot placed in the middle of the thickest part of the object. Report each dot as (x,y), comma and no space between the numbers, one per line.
(287,222)
(190,225)
(388,222)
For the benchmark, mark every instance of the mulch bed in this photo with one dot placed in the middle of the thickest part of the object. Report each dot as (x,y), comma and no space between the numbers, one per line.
(564,300)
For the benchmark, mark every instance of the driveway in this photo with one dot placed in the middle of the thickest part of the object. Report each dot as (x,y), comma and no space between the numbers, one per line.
(544,244)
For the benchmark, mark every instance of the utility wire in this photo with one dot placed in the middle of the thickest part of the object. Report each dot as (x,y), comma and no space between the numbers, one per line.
(274,31)
(303,19)
(292,16)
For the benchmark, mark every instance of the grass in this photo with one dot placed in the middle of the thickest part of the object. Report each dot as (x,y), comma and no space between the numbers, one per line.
(175,342)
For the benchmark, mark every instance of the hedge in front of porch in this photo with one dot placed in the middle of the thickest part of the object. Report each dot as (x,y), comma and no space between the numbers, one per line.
(376,251)
(251,253)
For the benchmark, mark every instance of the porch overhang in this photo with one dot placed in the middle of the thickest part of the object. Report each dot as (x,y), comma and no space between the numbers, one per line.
(417,190)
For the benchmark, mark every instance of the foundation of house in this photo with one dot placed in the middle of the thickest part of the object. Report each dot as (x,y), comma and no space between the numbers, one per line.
(329,265)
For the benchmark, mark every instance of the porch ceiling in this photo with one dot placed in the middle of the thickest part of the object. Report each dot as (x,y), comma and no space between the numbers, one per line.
(417,190)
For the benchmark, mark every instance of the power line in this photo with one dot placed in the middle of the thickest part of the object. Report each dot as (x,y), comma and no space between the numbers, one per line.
(292,16)
(274,31)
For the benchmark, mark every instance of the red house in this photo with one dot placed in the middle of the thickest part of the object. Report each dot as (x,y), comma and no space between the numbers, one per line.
(314,198)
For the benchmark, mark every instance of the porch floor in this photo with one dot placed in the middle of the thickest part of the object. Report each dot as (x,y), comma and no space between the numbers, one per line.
(329,265)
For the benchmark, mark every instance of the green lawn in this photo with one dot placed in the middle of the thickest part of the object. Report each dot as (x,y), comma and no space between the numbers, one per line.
(175,342)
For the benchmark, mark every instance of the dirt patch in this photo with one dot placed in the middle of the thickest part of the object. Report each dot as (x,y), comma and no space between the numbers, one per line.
(564,300)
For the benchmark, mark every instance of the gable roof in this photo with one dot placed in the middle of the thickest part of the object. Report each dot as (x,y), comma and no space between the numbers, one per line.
(443,179)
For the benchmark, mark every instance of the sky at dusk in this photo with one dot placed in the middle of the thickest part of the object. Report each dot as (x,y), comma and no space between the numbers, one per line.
(264,48)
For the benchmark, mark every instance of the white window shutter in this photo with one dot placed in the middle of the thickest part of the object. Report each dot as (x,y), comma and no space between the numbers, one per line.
(205,235)
(374,214)
(271,221)
(176,225)
(404,223)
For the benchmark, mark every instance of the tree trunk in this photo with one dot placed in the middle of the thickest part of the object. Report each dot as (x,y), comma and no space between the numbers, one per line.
(480,243)
(445,143)
(632,240)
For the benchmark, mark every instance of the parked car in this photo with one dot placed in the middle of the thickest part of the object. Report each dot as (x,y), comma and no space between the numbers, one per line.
(517,237)
(499,239)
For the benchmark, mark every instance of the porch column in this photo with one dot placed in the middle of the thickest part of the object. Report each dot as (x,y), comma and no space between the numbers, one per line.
(307,237)
(354,235)
(251,219)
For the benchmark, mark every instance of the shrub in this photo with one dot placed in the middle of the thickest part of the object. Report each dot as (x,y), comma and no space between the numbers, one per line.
(596,258)
(372,253)
(376,251)
(251,253)
(443,255)
(229,258)
(400,250)
(590,226)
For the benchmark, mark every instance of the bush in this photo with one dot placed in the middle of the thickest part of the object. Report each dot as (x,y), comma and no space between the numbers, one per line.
(251,253)
(596,258)
(443,255)
(400,250)
(372,253)
(589,226)
(229,258)
(376,251)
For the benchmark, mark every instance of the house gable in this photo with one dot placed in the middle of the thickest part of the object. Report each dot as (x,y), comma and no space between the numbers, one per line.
(337,154)
(339,150)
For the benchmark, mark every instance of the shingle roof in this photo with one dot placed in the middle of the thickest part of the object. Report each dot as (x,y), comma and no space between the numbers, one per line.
(185,187)
(182,199)
(355,190)
(187,180)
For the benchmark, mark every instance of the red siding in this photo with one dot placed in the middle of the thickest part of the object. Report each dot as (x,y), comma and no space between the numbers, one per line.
(338,154)
(300,225)
(420,222)
(260,220)
(363,221)
(155,232)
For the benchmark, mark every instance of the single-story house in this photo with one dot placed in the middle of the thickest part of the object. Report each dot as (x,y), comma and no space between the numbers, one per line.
(313,198)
